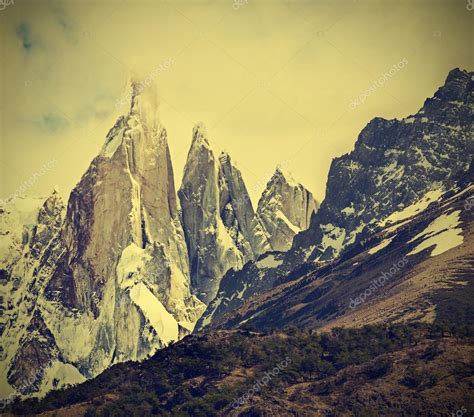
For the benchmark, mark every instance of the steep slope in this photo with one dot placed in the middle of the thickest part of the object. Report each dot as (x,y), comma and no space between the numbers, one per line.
(30,359)
(116,277)
(238,286)
(237,212)
(394,164)
(125,269)
(218,218)
(24,223)
(419,268)
(285,209)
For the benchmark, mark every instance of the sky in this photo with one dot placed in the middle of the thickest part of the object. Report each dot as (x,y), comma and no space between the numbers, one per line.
(275,82)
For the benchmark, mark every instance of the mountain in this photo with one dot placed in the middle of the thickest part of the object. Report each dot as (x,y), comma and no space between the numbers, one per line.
(237,211)
(386,330)
(30,241)
(285,209)
(112,282)
(394,164)
(218,223)
(222,230)
(126,270)
(369,313)
(124,267)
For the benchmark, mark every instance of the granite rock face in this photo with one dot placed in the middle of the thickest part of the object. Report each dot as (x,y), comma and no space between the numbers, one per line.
(113,274)
(125,270)
(237,211)
(223,231)
(285,209)
(219,222)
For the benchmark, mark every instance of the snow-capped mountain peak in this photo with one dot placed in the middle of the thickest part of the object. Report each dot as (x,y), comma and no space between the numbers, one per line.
(115,275)
(285,208)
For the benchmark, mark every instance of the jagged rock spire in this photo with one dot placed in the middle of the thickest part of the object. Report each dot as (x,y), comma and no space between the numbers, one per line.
(284,209)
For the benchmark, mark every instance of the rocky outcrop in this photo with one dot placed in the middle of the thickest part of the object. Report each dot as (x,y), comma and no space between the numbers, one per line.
(223,232)
(36,353)
(125,269)
(237,286)
(48,224)
(30,245)
(219,222)
(285,209)
(237,212)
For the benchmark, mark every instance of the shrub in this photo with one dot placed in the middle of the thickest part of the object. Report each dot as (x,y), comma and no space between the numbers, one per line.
(378,368)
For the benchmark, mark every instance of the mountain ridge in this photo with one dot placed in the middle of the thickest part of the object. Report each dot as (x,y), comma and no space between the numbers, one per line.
(394,163)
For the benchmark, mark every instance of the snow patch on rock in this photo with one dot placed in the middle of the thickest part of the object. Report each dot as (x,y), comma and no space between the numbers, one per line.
(443,233)
(163,322)
(269,261)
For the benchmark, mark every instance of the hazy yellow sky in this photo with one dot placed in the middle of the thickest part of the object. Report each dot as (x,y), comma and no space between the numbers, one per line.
(272,80)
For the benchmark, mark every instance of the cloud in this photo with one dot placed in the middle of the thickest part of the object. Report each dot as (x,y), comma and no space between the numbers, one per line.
(52,122)
(100,108)
(23,31)
(65,23)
